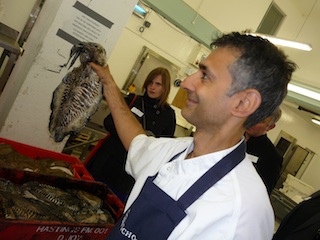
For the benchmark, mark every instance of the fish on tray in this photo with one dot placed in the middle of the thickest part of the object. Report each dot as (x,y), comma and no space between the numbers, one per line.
(79,94)
(37,201)
(15,206)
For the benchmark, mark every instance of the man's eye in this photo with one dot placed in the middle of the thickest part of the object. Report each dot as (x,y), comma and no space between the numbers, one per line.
(204,76)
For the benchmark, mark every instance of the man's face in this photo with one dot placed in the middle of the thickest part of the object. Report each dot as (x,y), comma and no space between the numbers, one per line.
(260,128)
(208,104)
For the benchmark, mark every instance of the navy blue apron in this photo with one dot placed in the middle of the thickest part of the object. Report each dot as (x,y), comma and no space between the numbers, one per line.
(154,214)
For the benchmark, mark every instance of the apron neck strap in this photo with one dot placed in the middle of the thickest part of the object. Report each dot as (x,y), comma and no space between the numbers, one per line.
(213,175)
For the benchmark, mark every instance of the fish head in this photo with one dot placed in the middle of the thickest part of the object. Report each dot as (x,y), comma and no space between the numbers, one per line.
(88,52)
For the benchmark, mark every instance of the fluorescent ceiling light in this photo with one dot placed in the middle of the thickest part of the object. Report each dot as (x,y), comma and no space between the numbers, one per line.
(304,91)
(285,42)
(315,121)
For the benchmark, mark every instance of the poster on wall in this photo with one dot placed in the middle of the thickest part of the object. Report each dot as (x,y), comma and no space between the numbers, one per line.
(84,25)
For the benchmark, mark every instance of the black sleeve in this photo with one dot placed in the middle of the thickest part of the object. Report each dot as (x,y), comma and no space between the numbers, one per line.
(108,121)
(170,128)
(269,163)
(269,170)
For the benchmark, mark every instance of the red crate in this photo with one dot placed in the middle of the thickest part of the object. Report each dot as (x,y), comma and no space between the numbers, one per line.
(47,230)
(77,167)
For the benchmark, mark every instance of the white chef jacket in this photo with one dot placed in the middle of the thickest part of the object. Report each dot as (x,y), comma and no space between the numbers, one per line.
(237,207)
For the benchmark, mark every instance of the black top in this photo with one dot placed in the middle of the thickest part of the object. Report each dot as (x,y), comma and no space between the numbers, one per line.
(269,160)
(108,163)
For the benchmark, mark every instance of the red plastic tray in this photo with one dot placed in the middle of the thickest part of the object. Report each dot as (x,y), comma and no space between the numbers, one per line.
(77,167)
(47,230)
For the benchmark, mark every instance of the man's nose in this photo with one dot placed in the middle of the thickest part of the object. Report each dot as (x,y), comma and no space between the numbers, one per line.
(187,81)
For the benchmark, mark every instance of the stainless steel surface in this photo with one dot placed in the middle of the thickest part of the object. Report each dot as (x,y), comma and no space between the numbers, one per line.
(8,37)
(281,204)
(293,162)
(81,144)
(298,156)
(11,48)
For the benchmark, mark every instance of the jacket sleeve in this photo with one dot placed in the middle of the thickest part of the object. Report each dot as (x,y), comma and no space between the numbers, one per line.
(171,124)
(108,121)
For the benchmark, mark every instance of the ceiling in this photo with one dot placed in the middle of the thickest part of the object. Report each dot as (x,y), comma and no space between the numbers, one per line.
(301,23)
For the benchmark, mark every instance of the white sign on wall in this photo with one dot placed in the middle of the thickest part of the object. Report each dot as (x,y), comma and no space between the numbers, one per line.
(84,24)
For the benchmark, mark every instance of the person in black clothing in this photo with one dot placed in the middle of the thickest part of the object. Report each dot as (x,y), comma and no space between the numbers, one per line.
(303,222)
(268,160)
(156,117)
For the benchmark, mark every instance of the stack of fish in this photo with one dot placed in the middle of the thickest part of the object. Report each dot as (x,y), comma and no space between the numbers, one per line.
(37,201)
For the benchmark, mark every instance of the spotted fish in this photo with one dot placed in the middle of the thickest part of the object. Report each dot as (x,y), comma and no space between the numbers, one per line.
(15,206)
(78,96)
(73,205)
(39,201)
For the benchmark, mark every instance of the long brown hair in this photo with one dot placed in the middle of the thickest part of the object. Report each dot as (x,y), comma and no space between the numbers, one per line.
(166,83)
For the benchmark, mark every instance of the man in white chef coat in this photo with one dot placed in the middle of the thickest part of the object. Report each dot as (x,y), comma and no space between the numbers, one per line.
(204,187)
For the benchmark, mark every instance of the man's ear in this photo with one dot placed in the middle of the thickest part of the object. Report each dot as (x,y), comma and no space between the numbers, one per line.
(247,103)
(272,126)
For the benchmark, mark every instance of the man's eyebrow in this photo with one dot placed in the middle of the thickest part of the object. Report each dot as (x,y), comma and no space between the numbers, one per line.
(202,66)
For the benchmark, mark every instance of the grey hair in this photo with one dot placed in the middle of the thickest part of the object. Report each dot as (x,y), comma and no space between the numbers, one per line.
(261,66)
(275,116)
